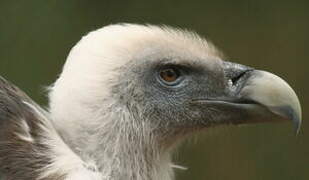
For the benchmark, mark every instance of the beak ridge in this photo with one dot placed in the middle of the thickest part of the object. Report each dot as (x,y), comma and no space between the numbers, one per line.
(275,94)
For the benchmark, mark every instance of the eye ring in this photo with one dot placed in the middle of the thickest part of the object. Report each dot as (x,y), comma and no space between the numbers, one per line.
(170,76)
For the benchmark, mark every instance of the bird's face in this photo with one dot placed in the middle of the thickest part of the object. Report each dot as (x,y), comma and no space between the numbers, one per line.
(187,92)
(171,80)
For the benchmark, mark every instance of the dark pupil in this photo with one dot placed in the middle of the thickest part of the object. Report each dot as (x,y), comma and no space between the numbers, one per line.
(169,75)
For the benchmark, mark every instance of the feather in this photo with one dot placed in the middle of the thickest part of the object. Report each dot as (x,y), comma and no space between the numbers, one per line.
(30,147)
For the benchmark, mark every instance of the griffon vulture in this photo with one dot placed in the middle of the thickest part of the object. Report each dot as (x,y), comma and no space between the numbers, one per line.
(128,94)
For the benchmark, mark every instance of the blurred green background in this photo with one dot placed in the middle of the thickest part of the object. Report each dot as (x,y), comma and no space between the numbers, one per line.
(36,36)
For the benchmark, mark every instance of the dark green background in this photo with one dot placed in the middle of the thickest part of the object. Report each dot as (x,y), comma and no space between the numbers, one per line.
(36,36)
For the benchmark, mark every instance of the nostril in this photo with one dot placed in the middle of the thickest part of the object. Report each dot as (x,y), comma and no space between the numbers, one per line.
(235,73)
(237,77)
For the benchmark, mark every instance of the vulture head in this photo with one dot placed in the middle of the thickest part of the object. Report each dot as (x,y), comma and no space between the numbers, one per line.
(128,94)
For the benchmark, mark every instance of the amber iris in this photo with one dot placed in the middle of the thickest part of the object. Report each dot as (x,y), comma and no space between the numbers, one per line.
(169,75)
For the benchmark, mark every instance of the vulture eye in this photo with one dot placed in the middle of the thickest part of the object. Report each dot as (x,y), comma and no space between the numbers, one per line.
(170,76)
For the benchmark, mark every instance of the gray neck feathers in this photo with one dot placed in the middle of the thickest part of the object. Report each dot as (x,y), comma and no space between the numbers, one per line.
(122,145)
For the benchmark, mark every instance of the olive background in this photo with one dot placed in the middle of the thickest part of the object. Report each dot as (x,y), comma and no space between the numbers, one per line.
(36,36)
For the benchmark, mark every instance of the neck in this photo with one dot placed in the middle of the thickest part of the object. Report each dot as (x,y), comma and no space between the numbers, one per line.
(124,148)
(127,156)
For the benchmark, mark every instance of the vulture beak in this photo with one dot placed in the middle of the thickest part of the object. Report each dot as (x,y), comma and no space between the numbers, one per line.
(254,96)
(273,93)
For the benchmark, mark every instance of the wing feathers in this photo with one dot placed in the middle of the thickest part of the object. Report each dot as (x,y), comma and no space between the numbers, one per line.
(30,147)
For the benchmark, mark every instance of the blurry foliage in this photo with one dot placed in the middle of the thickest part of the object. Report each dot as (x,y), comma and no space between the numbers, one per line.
(36,36)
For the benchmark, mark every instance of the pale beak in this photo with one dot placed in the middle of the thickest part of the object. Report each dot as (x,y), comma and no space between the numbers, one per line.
(252,96)
(275,94)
